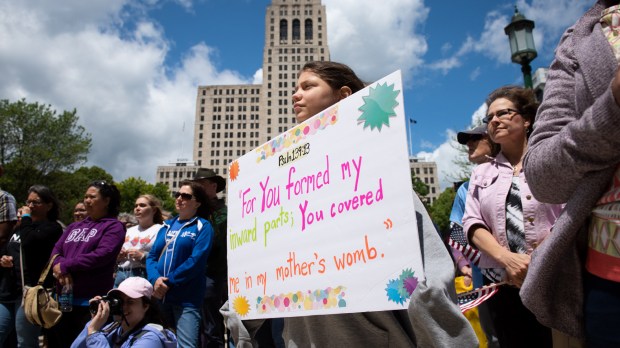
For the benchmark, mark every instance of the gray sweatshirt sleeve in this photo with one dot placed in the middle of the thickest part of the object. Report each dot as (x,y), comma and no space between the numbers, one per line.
(242,331)
(436,318)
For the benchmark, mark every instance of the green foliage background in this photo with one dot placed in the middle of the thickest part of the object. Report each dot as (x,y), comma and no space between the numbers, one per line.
(40,146)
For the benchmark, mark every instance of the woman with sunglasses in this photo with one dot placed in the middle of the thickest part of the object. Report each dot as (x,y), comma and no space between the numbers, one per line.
(86,259)
(504,221)
(176,263)
(139,239)
(30,246)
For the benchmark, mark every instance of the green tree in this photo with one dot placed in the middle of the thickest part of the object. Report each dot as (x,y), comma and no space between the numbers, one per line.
(420,188)
(70,187)
(131,188)
(36,141)
(441,208)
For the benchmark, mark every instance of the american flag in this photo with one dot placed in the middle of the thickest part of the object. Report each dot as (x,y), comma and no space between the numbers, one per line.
(458,241)
(474,298)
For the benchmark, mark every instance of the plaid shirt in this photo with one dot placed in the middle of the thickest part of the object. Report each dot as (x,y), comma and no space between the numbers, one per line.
(8,208)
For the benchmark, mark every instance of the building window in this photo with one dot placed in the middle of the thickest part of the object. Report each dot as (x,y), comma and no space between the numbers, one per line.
(308,27)
(283,29)
(296,30)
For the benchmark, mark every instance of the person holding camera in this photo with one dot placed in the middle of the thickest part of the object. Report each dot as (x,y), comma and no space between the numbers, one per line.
(136,322)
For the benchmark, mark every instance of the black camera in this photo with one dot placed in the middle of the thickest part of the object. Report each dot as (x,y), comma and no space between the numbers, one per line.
(115,303)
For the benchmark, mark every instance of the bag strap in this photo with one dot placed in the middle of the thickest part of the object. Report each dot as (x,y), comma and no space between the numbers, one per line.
(168,242)
(46,270)
(165,247)
(21,264)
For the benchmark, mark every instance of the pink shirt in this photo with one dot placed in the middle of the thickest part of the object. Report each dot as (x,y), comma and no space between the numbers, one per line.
(486,205)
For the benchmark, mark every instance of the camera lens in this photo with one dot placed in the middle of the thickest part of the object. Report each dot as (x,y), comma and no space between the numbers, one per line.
(116,306)
(93,307)
(115,303)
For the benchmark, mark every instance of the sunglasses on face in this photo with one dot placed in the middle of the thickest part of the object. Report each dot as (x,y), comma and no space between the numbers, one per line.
(184,196)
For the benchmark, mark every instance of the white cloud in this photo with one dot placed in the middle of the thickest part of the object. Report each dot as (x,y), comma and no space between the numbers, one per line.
(445,65)
(133,105)
(377,37)
(424,144)
(448,152)
(474,74)
(551,19)
(478,115)
(444,156)
(258,77)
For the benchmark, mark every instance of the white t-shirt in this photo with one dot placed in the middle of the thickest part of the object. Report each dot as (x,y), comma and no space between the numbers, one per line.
(138,239)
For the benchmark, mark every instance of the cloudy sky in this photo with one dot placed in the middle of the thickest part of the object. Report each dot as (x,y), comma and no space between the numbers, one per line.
(131,68)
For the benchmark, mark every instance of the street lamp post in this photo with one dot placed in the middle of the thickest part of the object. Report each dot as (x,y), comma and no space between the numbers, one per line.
(522,48)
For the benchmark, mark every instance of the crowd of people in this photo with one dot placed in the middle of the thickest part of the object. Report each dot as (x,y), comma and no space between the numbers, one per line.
(154,271)
(539,215)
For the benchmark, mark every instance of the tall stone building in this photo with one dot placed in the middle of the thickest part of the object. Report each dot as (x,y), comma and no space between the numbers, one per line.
(234,119)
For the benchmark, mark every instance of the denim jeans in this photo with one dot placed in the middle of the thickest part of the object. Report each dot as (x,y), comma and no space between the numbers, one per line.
(602,311)
(186,321)
(12,316)
(27,333)
(7,318)
(122,274)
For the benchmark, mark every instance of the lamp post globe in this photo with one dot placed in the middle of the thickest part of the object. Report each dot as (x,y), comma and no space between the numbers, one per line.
(521,41)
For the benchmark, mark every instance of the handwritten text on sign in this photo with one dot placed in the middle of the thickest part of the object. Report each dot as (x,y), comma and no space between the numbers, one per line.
(321,218)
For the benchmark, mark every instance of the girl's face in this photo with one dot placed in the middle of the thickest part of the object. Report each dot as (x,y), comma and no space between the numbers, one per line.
(134,311)
(186,203)
(143,211)
(511,127)
(312,95)
(96,205)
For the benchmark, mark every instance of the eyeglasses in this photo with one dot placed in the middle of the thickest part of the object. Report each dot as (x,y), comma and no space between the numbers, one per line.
(184,196)
(500,114)
(35,203)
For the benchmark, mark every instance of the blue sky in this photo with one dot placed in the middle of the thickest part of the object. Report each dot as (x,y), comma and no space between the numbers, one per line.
(131,68)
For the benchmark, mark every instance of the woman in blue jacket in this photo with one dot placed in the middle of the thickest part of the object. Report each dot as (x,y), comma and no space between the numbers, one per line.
(175,265)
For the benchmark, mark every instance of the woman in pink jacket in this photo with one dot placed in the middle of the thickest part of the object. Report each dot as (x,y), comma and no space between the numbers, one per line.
(504,221)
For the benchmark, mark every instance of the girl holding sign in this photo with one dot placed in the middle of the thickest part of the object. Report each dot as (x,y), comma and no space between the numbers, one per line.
(320,85)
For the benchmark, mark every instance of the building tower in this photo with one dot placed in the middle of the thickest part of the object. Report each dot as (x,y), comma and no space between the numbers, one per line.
(232,120)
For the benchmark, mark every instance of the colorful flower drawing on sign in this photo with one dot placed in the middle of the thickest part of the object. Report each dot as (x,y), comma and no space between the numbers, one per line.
(297,134)
(378,106)
(400,289)
(302,301)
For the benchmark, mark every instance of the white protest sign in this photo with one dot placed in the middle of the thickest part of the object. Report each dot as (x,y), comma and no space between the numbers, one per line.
(321,218)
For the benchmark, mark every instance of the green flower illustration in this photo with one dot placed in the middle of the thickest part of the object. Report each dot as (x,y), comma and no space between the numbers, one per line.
(378,106)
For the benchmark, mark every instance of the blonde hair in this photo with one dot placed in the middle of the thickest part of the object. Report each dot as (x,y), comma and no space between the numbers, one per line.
(155,203)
